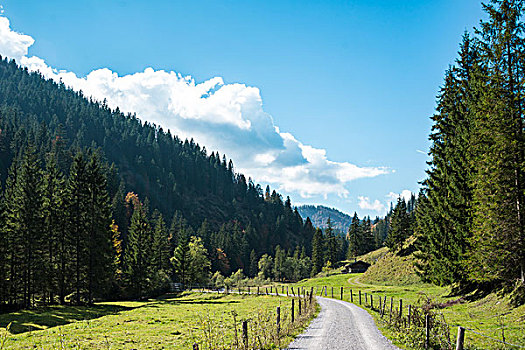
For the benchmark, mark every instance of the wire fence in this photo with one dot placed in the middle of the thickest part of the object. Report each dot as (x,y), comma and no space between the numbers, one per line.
(420,327)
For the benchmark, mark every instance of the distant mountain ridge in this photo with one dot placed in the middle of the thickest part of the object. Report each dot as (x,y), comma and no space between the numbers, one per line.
(319,215)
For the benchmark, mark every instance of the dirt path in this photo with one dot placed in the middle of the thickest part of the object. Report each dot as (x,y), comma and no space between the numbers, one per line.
(341,325)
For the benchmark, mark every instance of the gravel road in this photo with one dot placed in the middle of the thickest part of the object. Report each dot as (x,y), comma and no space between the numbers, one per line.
(341,325)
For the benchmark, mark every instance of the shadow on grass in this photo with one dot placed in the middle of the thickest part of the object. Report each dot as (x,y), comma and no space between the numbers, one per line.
(51,316)
(40,318)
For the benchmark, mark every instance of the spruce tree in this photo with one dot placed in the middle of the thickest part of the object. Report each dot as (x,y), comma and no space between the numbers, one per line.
(138,252)
(498,240)
(23,230)
(100,268)
(400,228)
(355,238)
(317,252)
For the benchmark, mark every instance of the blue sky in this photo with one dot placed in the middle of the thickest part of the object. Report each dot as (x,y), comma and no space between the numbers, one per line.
(354,79)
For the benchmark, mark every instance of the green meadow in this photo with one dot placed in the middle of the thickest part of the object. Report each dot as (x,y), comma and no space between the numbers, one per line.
(213,321)
(492,315)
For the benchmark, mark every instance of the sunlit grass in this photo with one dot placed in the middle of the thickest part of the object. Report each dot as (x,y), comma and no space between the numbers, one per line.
(166,323)
(489,315)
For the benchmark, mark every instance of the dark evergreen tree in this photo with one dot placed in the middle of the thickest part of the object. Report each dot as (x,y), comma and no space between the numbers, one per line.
(23,230)
(138,252)
(400,228)
(317,252)
(355,238)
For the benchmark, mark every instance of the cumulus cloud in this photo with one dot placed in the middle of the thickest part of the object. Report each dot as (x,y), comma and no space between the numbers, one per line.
(405,194)
(13,44)
(366,204)
(226,117)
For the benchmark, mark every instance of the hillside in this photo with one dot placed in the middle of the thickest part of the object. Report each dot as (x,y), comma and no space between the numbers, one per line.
(87,197)
(319,215)
(174,174)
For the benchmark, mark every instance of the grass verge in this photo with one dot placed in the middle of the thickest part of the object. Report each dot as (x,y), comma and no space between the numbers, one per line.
(492,315)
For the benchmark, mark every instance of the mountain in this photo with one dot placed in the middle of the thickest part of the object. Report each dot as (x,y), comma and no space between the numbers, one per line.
(179,178)
(319,215)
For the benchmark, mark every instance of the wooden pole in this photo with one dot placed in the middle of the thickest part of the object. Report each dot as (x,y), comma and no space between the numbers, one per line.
(380,308)
(325,290)
(286,290)
(427,331)
(278,322)
(366,298)
(409,316)
(341,293)
(461,338)
(359,297)
(299,301)
(391,308)
(245,334)
(371,302)
(293,308)
(351,296)
(258,290)
(400,308)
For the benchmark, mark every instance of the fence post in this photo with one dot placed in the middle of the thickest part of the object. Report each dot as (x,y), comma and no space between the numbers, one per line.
(266,290)
(325,290)
(359,297)
(278,320)
(286,290)
(391,309)
(299,301)
(371,301)
(245,334)
(293,308)
(380,306)
(409,314)
(311,295)
(271,289)
(293,294)
(461,338)
(366,298)
(332,292)
(257,290)
(427,331)
(351,296)
(341,293)
(282,290)
(384,306)
(400,308)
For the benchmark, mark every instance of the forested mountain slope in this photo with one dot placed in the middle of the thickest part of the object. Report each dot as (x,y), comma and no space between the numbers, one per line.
(172,177)
(319,215)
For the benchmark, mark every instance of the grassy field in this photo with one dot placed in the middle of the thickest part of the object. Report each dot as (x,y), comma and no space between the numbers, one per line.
(489,315)
(170,322)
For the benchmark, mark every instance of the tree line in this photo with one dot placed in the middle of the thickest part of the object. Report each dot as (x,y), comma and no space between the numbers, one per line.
(471,216)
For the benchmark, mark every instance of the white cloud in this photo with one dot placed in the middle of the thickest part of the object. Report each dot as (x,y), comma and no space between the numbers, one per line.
(13,44)
(364,203)
(405,194)
(225,117)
